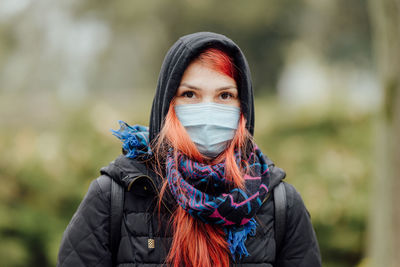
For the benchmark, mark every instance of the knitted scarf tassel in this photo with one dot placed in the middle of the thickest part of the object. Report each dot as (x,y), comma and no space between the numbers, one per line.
(237,236)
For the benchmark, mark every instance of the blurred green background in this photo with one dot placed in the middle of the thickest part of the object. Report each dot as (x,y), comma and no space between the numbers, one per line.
(69,70)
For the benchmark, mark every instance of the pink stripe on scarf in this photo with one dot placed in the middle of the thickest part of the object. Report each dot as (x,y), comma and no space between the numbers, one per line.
(233,204)
(248,177)
(265,187)
(216,214)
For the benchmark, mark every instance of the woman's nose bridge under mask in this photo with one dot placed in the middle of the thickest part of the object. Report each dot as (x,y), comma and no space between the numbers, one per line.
(210,125)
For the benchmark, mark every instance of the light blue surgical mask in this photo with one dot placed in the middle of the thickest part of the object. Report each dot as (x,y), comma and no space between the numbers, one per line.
(210,125)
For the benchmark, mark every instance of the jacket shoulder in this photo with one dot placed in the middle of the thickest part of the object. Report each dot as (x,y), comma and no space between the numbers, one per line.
(104,184)
(294,199)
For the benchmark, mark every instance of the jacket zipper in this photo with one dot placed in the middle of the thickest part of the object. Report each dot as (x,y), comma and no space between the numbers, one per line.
(150,241)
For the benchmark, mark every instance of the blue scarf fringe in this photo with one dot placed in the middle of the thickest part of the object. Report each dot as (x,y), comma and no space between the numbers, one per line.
(237,236)
(135,139)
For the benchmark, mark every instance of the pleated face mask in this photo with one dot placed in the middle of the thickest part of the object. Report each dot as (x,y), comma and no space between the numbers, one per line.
(210,125)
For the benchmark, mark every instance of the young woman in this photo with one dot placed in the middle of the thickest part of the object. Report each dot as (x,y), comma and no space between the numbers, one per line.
(196,188)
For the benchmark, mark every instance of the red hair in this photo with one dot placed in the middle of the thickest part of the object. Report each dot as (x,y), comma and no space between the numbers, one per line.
(196,243)
(218,61)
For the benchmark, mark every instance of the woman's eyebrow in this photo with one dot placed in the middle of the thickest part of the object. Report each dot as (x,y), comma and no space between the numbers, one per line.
(189,86)
(197,88)
(226,87)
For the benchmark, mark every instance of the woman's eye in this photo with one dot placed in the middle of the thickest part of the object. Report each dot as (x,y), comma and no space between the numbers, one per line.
(188,94)
(226,96)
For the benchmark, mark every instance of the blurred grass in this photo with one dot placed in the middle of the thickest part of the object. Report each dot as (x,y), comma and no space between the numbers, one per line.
(46,170)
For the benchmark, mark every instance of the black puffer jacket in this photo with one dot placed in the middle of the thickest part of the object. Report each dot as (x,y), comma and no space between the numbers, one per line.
(86,239)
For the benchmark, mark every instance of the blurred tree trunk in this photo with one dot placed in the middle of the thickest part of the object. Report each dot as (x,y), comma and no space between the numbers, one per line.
(384,248)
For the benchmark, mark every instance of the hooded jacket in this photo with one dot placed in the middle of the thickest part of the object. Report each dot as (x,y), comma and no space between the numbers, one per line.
(145,233)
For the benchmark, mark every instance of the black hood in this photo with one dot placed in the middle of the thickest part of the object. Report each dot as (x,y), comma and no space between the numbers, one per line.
(178,58)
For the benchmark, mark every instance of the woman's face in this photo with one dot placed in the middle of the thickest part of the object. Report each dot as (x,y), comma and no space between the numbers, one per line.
(201,84)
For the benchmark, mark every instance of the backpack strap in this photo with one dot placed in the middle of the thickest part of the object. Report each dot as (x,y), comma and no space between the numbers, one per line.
(116,212)
(117,206)
(280,214)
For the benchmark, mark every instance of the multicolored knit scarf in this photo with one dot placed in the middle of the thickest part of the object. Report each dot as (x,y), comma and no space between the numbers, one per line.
(190,182)
(233,210)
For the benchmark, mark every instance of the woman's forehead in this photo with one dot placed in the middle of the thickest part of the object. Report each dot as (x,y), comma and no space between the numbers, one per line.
(200,76)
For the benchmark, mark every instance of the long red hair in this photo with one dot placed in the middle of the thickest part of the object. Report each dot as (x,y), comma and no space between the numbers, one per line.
(196,243)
